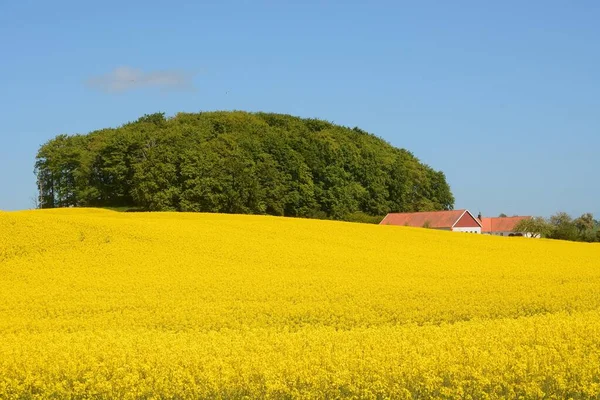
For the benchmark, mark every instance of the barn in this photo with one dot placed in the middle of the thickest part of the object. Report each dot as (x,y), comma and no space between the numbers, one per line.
(453,220)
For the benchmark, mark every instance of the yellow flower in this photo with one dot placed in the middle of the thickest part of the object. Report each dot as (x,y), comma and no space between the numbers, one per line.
(101,304)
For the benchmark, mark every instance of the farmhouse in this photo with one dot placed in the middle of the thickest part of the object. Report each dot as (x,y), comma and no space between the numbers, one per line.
(502,226)
(453,220)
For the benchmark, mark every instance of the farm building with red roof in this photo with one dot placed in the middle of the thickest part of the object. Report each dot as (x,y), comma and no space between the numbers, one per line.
(453,220)
(503,226)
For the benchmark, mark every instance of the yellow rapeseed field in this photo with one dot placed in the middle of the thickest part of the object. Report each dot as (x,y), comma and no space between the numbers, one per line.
(100,304)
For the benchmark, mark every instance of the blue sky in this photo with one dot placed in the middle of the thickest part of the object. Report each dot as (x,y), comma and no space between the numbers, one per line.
(504,97)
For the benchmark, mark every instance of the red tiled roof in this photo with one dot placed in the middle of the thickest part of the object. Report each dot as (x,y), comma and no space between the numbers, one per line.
(435,219)
(501,224)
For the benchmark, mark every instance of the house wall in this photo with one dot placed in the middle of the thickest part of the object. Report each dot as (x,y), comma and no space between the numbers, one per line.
(467,229)
(508,233)
(467,221)
(467,224)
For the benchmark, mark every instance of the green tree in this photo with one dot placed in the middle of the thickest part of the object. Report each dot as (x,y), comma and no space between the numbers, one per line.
(62,168)
(238,162)
(536,226)
(563,227)
(585,227)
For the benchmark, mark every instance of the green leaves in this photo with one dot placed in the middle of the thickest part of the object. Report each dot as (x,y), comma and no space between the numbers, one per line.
(562,226)
(238,162)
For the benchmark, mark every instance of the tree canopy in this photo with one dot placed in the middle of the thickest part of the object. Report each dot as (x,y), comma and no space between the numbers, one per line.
(562,226)
(238,162)
(536,226)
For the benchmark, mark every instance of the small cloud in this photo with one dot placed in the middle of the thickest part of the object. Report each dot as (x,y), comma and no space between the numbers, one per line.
(125,78)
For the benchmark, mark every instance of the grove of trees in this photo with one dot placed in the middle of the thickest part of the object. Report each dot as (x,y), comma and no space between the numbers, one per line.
(562,226)
(238,162)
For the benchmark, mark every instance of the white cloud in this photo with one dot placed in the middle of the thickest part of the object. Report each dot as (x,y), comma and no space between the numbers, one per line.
(125,78)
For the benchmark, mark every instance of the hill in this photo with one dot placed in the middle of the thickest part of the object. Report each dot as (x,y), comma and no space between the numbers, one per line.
(101,304)
(237,162)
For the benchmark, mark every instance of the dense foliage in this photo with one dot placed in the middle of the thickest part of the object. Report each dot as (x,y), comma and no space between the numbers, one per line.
(237,162)
(562,226)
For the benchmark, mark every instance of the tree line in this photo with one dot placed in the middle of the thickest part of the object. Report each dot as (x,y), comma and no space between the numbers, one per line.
(562,226)
(238,162)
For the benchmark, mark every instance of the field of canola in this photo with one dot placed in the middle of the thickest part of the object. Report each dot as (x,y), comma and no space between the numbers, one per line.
(100,304)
